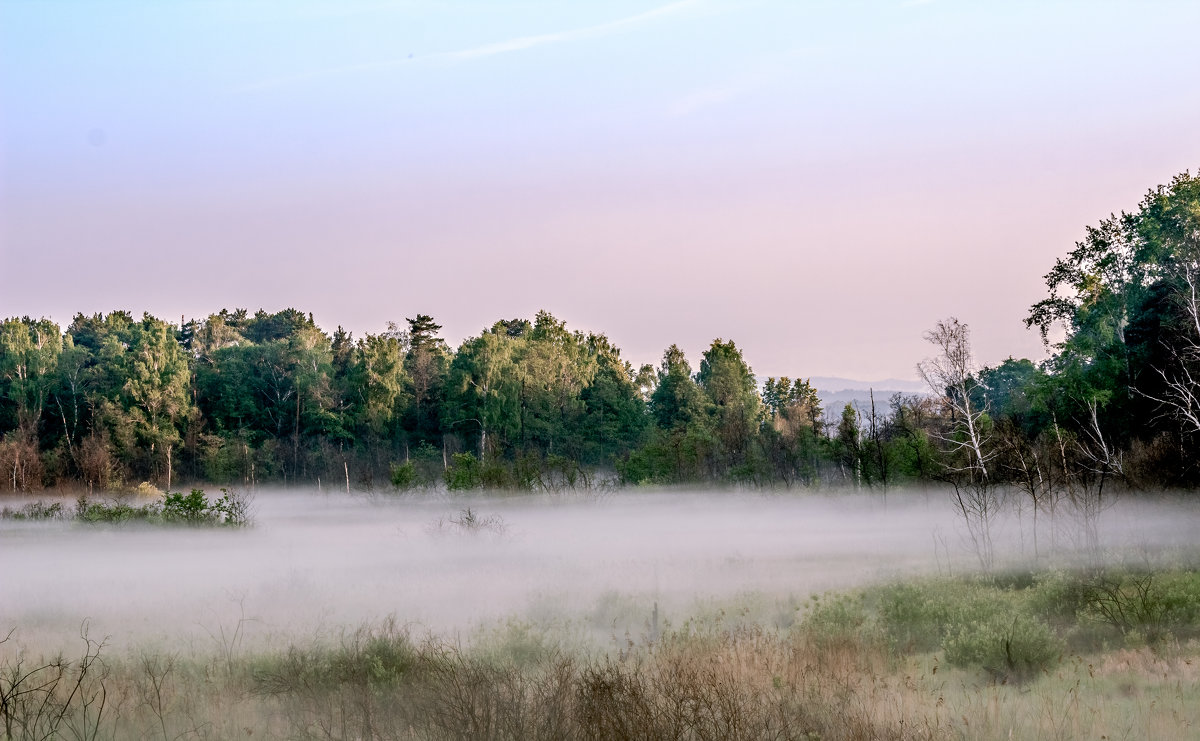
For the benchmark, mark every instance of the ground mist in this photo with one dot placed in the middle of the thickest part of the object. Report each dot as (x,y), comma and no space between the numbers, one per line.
(640,615)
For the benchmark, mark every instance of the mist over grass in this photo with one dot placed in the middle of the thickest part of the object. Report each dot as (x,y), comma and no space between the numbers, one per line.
(640,614)
(448,564)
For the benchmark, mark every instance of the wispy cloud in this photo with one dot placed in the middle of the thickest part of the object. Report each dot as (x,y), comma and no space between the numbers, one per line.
(486,50)
(603,29)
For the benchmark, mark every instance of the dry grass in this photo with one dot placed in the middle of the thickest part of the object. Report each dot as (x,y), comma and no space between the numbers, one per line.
(697,681)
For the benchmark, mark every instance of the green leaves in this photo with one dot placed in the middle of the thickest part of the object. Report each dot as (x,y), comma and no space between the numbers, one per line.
(29,352)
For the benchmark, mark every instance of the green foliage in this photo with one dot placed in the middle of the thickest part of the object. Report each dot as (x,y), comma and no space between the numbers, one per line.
(916,616)
(114,512)
(1015,626)
(38,510)
(1126,298)
(1139,607)
(647,465)
(376,384)
(1009,648)
(734,405)
(29,354)
(835,619)
(465,472)
(230,509)
(262,396)
(679,455)
(378,658)
(193,508)
(404,475)
(677,402)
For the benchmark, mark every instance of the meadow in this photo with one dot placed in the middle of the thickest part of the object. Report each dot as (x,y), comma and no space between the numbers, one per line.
(640,614)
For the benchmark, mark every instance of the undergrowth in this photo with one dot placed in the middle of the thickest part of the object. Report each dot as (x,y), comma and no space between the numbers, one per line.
(1055,655)
(232,508)
(1016,627)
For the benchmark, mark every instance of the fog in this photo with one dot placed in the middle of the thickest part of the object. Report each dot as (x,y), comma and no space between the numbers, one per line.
(314,563)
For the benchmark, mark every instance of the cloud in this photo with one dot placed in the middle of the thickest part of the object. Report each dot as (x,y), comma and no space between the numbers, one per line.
(603,29)
(500,47)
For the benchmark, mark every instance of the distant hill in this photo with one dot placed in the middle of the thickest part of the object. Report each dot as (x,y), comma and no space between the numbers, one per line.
(832,385)
(836,393)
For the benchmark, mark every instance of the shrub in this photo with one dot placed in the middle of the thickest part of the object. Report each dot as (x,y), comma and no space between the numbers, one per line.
(146,489)
(234,507)
(366,657)
(912,619)
(38,510)
(916,616)
(834,620)
(463,473)
(493,474)
(468,522)
(116,511)
(231,508)
(1144,607)
(404,475)
(43,699)
(191,508)
(1015,648)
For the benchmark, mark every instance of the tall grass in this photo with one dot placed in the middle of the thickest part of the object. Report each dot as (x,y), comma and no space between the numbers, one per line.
(1033,656)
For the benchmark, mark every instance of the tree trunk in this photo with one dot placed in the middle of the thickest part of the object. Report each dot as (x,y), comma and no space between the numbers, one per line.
(296,440)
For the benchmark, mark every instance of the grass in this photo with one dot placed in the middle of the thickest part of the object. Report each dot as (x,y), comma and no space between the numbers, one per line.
(1058,655)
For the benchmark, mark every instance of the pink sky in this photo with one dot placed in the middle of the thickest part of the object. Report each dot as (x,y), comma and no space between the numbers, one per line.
(819,182)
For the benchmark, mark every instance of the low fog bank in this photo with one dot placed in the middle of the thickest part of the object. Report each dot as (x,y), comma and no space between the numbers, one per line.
(314,563)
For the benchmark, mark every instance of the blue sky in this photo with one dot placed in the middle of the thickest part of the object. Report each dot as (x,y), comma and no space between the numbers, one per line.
(819,181)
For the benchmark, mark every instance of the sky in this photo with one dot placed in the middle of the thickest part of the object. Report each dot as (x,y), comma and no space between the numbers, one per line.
(820,182)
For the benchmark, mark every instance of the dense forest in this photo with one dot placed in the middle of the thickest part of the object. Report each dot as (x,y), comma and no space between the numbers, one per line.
(112,400)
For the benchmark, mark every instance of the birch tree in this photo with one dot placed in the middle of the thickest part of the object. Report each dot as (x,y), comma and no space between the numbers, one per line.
(965,439)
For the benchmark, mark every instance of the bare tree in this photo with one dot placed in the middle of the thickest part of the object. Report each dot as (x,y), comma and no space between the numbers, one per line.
(1093,461)
(950,376)
(1025,463)
(965,442)
(1181,395)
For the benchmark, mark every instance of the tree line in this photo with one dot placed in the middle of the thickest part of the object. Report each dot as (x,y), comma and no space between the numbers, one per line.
(111,400)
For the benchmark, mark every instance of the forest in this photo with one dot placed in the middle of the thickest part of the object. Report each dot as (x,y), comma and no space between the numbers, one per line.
(240,398)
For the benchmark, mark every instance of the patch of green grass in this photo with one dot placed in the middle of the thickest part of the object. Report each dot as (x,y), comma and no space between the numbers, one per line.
(1015,627)
(366,657)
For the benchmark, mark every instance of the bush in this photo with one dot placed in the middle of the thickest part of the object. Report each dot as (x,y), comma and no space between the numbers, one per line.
(116,511)
(1144,607)
(833,620)
(231,509)
(189,508)
(1099,608)
(234,507)
(1008,648)
(468,522)
(366,657)
(38,510)
(913,620)
(463,473)
(404,475)
(916,616)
